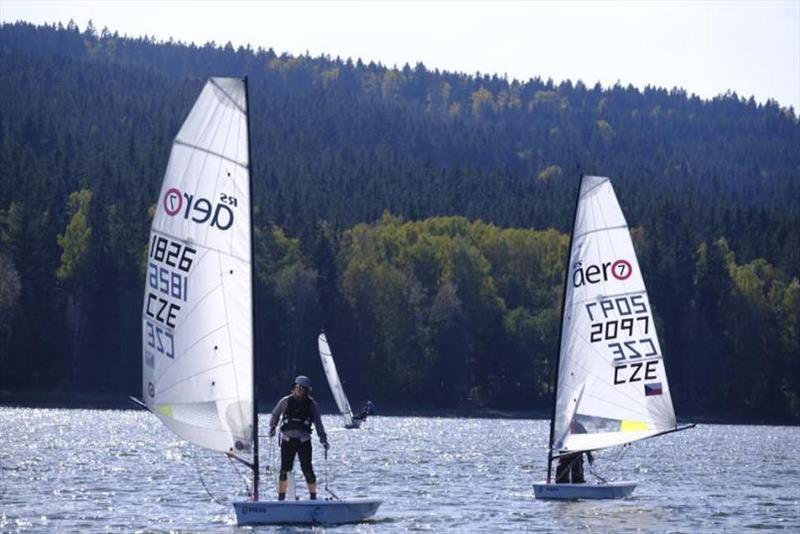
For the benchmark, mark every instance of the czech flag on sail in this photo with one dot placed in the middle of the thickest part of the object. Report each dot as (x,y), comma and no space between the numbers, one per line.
(653,388)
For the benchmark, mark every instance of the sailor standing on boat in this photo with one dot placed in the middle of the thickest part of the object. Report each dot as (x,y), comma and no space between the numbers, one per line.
(297,412)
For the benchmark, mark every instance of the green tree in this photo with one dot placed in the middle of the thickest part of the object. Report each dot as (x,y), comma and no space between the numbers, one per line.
(74,269)
(296,286)
(790,364)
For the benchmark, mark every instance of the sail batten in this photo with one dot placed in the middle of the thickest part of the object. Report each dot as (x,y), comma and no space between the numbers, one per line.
(601,230)
(210,153)
(612,386)
(233,101)
(611,295)
(197,313)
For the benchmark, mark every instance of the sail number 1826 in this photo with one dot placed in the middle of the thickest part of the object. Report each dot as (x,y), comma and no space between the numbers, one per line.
(172,253)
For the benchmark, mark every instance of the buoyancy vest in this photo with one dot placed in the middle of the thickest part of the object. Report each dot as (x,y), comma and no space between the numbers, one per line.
(297,415)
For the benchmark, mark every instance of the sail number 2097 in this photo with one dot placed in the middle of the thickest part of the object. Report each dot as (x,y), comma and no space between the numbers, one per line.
(612,329)
(614,318)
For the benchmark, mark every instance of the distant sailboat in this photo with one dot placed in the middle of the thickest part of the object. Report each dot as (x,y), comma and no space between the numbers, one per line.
(610,381)
(197,319)
(335,384)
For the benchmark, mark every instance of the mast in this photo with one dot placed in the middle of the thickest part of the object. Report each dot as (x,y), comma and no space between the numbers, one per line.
(252,292)
(561,334)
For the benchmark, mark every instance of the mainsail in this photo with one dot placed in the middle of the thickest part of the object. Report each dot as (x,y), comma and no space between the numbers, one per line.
(333,380)
(612,385)
(197,318)
(197,313)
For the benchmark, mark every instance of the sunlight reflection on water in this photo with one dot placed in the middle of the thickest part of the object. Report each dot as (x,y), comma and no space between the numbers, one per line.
(121,471)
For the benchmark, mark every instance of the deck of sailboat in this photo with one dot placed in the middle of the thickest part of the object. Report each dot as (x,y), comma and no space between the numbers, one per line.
(572,492)
(305,511)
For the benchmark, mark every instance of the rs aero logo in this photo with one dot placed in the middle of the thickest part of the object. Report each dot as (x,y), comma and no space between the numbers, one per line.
(593,274)
(199,209)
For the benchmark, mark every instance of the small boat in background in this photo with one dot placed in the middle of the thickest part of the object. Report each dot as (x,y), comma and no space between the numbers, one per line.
(335,383)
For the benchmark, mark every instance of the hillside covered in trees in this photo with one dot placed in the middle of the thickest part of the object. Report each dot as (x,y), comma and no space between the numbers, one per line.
(419,217)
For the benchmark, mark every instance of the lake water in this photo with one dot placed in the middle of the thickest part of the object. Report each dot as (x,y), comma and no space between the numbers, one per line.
(122,471)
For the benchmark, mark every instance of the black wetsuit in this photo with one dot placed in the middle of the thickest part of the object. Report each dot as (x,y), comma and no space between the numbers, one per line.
(297,417)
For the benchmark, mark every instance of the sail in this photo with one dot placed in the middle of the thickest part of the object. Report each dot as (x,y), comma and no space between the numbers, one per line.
(197,313)
(333,379)
(612,384)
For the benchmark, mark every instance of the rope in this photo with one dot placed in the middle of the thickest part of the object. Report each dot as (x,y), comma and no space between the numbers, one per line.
(616,459)
(326,478)
(203,482)
(597,476)
(271,466)
(244,478)
(226,504)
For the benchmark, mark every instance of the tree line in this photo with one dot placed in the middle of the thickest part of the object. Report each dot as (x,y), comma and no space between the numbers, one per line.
(419,217)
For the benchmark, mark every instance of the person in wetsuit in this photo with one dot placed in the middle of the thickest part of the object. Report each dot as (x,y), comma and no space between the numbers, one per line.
(297,412)
(369,409)
(570,466)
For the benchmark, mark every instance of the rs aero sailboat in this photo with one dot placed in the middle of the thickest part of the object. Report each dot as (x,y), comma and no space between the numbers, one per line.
(335,383)
(610,381)
(197,320)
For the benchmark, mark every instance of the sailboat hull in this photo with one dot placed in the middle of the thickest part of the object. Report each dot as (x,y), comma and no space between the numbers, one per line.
(305,512)
(572,492)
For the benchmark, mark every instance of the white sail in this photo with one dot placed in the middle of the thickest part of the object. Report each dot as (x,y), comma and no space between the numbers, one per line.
(612,384)
(197,314)
(333,380)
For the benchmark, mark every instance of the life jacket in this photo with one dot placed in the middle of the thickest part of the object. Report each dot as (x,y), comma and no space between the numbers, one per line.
(297,415)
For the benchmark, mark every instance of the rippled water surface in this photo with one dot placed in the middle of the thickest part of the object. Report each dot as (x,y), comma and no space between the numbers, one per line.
(121,471)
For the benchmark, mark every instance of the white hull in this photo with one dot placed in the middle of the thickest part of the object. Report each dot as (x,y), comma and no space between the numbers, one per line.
(571,492)
(305,512)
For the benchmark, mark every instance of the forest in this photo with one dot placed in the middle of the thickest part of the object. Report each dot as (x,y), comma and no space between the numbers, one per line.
(419,217)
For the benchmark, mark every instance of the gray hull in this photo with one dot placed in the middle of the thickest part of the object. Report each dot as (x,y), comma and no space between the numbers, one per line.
(571,492)
(305,512)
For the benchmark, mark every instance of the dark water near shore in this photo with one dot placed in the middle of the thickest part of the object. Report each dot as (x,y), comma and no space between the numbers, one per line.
(121,471)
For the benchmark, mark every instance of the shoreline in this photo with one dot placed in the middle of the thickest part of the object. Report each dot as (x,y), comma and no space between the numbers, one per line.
(83,401)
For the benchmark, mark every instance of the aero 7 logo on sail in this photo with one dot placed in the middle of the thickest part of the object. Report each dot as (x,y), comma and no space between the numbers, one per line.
(199,209)
(593,274)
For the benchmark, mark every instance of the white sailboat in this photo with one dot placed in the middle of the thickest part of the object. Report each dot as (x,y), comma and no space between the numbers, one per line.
(611,385)
(335,383)
(197,319)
